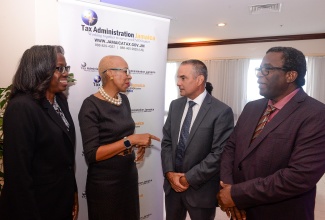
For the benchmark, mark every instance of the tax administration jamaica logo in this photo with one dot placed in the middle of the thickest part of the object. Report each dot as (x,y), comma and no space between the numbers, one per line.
(89,17)
(97,79)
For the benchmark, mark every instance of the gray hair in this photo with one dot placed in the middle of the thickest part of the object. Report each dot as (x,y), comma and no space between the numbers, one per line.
(199,68)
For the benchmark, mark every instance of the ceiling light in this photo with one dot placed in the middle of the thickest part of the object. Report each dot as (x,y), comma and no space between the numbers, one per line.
(221,24)
(196,39)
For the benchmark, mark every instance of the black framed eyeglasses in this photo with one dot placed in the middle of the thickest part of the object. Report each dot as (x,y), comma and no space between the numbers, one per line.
(62,69)
(266,70)
(125,70)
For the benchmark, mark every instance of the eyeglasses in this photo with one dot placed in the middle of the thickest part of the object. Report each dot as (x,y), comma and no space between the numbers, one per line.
(125,70)
(266,70)
(62,69)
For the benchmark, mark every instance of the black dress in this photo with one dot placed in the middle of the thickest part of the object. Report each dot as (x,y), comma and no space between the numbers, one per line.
(112,184)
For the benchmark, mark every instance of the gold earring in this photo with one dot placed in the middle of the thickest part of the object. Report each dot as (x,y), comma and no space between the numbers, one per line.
(111,78)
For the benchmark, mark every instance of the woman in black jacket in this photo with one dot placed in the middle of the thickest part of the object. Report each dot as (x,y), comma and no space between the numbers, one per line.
(39,141)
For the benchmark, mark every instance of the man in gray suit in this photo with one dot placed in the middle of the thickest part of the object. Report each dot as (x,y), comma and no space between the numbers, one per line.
(194,134)
(272,173)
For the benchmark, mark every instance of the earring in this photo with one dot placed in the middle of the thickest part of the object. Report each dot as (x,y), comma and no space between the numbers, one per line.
(111,78)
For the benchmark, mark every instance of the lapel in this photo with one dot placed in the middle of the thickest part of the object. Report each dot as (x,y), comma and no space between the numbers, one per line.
(206,104)
(282,115)
(57,119)
(179,109)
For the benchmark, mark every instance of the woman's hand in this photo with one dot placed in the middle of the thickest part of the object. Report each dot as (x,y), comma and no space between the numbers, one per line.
(143,140)
(75,208)
(140,153)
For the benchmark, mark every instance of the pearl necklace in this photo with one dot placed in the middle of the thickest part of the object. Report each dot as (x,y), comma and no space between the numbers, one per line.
(112,100)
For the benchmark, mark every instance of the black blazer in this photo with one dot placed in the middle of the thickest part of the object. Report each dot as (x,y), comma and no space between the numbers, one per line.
(38,161)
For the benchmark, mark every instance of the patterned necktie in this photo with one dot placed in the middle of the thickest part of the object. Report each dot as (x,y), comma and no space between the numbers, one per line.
(183,137)
(262,122)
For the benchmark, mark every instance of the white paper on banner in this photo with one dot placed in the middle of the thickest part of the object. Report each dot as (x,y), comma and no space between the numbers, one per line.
(90,31)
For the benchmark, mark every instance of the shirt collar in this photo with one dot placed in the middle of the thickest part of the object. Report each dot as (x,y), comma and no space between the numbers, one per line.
(279,105)
(199,100)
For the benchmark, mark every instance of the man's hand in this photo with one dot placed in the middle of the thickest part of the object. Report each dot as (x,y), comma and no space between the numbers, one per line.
(184,182)
(236,214)
(174,180)
(227,204)
(224,196)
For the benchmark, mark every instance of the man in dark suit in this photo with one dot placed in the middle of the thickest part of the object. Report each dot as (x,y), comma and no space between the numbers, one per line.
(271,173)
(191,159)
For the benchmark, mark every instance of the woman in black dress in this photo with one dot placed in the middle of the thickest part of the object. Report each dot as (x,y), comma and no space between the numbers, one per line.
(107,130)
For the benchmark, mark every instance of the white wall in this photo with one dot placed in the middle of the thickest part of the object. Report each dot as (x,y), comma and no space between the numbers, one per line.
(17,33)
(252,50)
(24,24)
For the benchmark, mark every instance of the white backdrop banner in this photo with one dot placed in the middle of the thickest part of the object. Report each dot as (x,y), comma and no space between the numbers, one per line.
(90,31)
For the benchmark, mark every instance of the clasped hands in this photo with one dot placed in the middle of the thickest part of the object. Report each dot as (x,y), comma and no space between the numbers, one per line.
(177,181)
(227,204)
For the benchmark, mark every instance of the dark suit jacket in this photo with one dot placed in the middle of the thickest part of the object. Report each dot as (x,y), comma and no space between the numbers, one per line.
(275,177)
(38,161)
(201,163)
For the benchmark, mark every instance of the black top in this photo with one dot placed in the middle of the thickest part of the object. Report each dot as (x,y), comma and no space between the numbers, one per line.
(102,123)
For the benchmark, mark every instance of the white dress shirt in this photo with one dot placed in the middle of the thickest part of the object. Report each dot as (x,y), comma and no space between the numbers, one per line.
(198,100)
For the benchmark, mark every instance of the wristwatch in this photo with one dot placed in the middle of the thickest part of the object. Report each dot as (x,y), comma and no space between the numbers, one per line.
(127,143)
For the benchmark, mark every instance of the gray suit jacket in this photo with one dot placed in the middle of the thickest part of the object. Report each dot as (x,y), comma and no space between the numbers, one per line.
(201,163)
(275,177)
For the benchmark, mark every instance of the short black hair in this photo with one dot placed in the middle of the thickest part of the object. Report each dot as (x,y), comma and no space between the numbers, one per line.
(293,60)
(209,87)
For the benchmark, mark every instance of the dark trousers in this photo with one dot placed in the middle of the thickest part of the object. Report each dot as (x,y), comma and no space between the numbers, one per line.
(177,207)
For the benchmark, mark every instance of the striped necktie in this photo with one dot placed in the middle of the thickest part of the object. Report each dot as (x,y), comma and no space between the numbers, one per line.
(262,122)
(185,131)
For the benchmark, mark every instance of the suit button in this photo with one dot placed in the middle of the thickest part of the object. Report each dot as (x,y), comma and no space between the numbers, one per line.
(70,167)
(239,167)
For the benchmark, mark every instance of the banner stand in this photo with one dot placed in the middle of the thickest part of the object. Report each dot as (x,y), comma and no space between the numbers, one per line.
(90,31)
